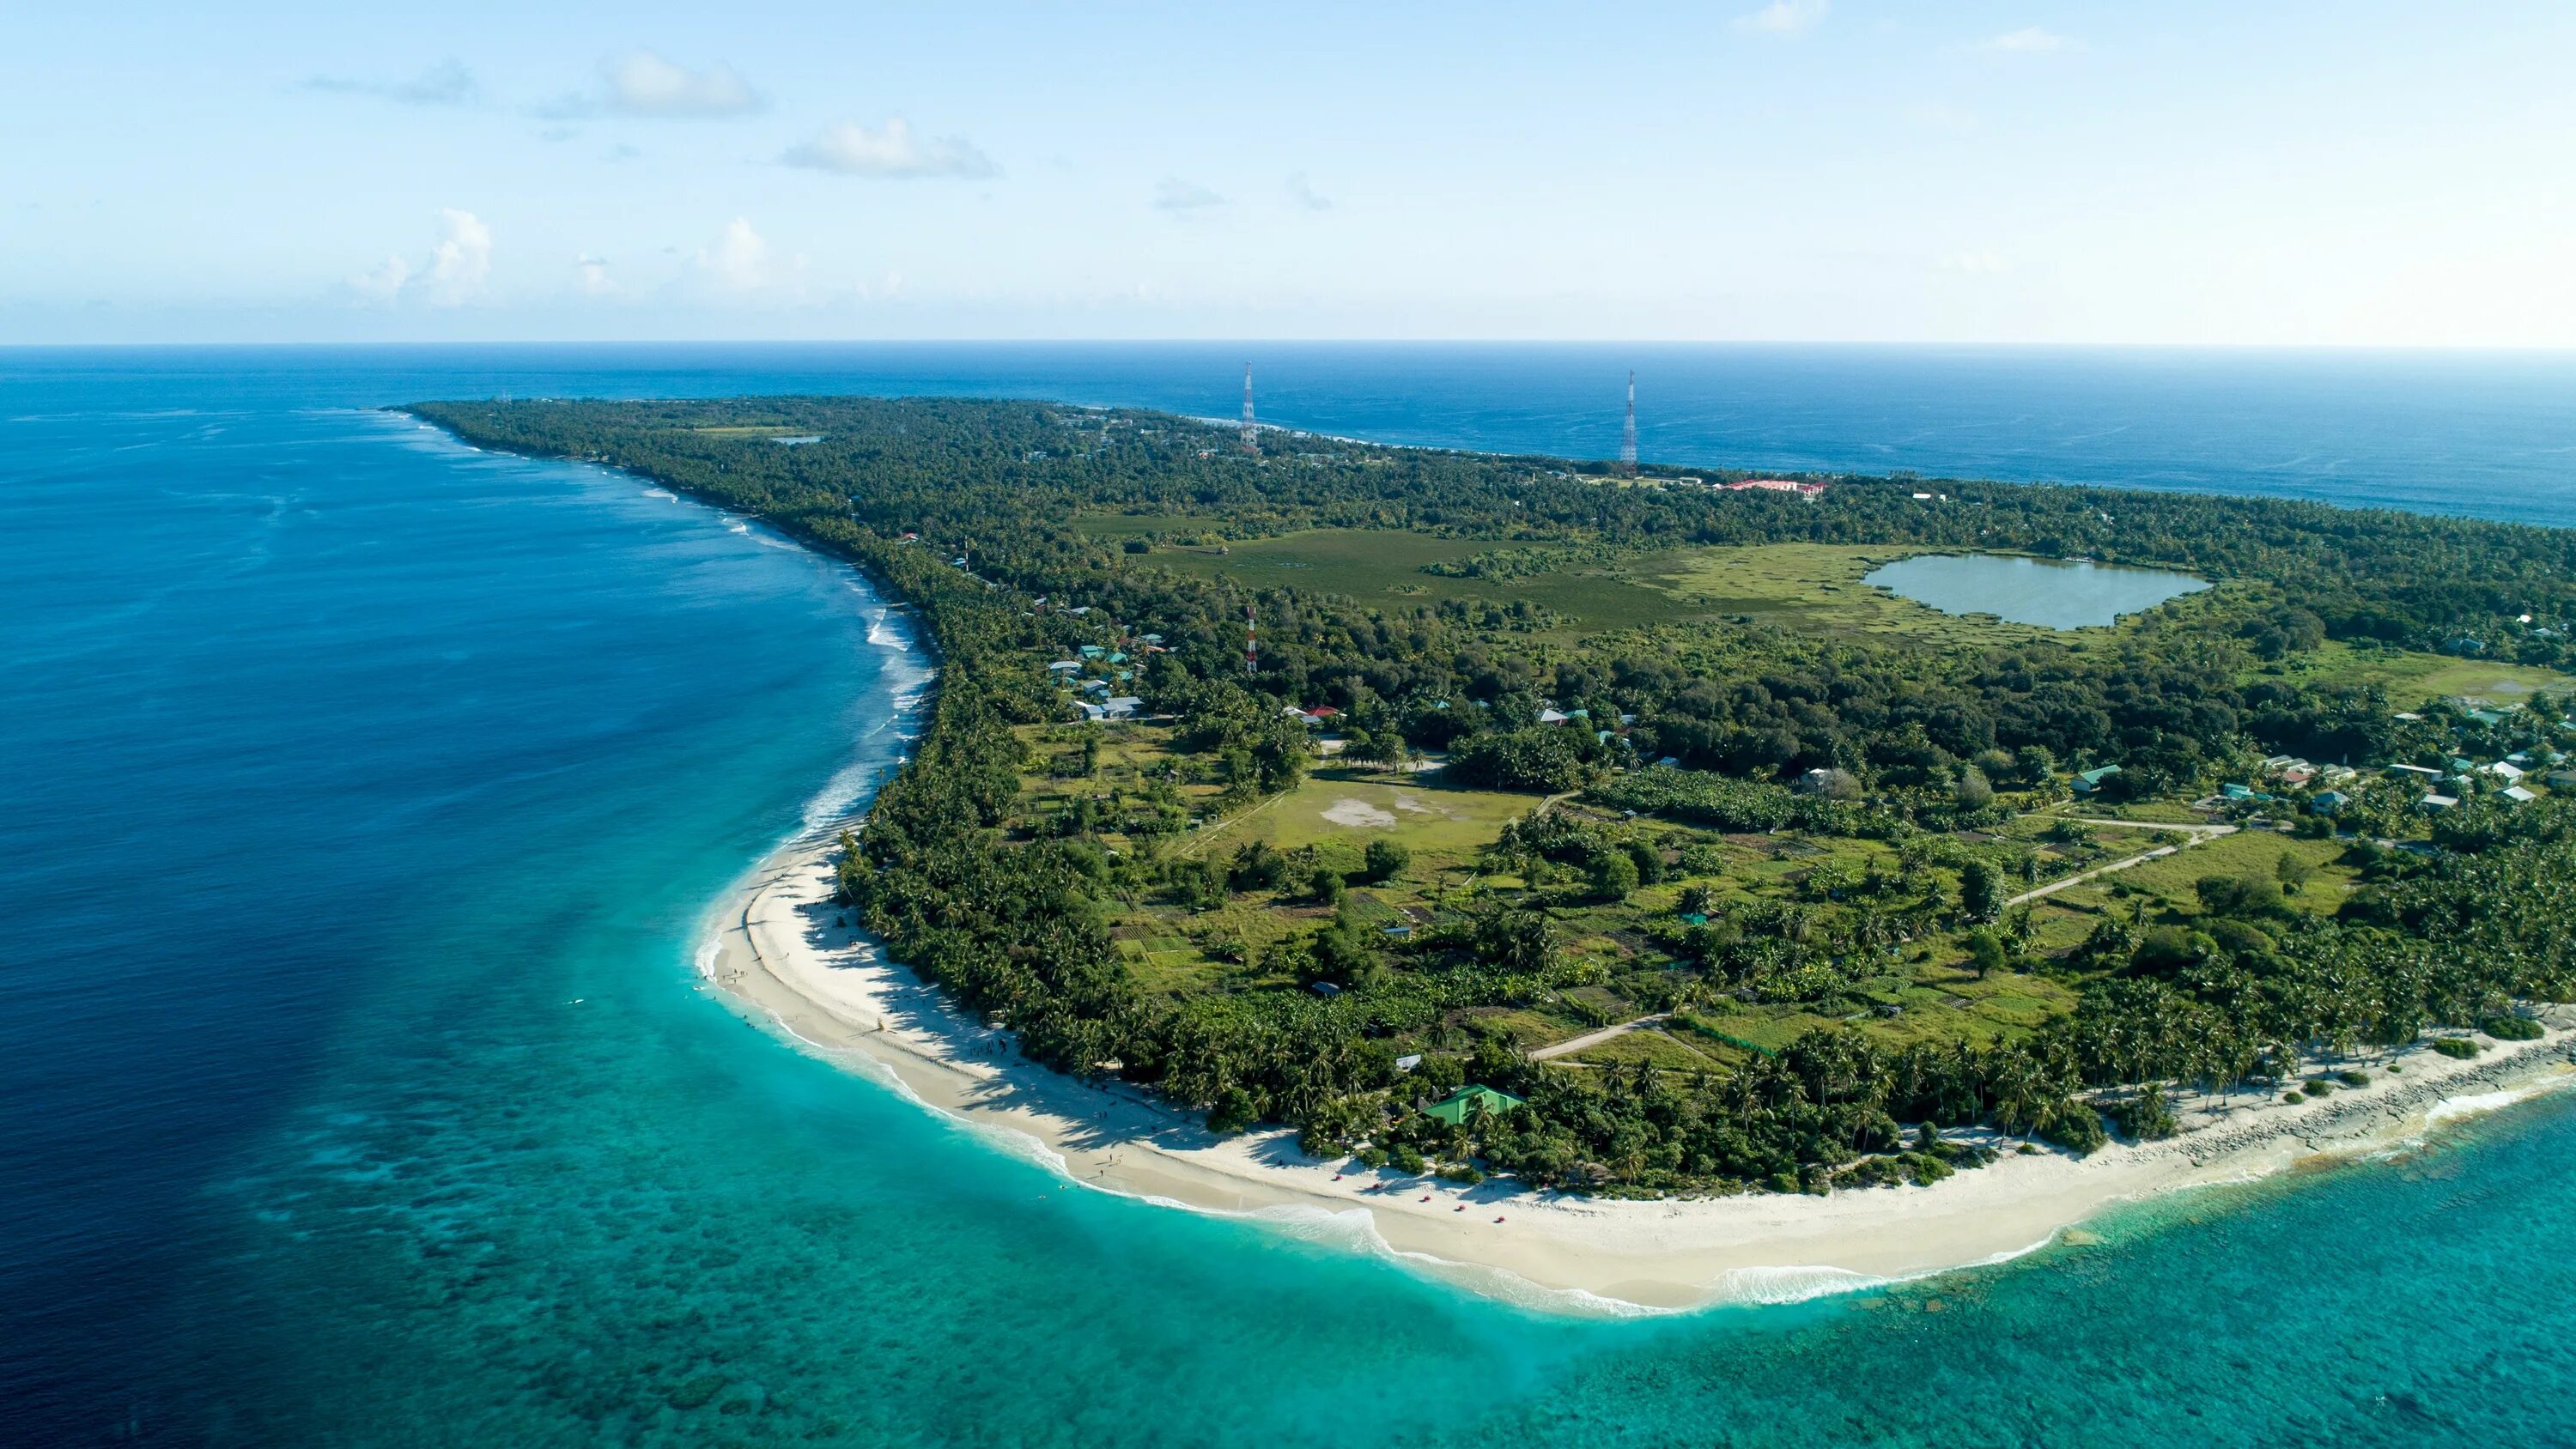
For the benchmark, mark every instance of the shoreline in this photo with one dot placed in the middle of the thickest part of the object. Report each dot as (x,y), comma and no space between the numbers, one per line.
(779,951)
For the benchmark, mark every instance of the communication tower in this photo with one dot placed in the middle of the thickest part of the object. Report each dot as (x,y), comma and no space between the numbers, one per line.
(1627,434)
(1251,434)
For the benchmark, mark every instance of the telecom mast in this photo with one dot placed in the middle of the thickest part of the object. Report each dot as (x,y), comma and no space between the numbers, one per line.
(1251,435)
(1251,642)
(1627,435)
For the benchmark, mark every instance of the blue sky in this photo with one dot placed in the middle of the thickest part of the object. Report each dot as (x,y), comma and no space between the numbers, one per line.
(2306,173)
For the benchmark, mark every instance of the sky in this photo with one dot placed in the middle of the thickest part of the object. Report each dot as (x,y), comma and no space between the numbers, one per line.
(2294,173)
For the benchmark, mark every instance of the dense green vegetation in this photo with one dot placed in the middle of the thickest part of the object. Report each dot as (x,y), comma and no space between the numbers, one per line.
(1823,842)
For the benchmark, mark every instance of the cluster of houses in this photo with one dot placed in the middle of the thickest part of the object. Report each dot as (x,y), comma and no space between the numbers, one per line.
(2320,786)
(1809,491)
(2509,773)
(1100,677)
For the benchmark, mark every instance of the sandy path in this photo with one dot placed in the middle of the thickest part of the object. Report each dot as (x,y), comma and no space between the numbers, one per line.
(2199,833)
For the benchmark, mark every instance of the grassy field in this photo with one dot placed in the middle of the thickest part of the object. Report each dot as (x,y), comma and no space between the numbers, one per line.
(2168,883)
(2409,678)
(1441,826)
(1813,587)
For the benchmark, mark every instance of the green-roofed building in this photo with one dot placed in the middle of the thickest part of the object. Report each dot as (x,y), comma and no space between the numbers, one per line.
(1461,1106)
(2091,780)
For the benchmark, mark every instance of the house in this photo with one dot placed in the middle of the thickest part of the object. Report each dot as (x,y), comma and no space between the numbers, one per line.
(2237,792)
(1808,491)
(2298,774)
(2090,781)
(2327,802)
(2337,774)
(2421,772)
(2507,771)
(1123,706)
(2408,715)
(2460,765)
(2562,779)
(1092,712)
(1065,666)
(2437,802)
(1553,717)
(1095,686)
(2517,794)
(1092,651)
(1470,1102)
(1408,1063)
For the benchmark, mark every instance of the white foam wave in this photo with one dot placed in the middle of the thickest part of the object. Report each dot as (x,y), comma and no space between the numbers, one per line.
(2470,1106)
(661,493)
(885,633)
(1791,1284)
(839,798)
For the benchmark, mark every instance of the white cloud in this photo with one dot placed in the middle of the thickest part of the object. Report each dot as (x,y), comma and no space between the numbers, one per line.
(447,83)
(738,259)
(641,83)
(384,283)
(2033,40)
(1981,262)
(1303,196)
(461,261)
(457,268)
(1783,17)
(1174,194)
(590,277)
(850,149)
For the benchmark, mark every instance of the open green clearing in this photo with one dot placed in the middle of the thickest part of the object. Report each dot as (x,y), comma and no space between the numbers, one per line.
(1807,587)
(1343,810)
(2409,677)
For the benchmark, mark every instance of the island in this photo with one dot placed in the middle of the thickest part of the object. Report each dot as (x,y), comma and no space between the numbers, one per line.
(1583,881)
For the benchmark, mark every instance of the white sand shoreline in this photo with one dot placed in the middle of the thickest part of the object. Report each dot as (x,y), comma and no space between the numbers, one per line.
(775,951)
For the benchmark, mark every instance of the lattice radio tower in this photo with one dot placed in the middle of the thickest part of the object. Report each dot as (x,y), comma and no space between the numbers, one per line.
(1627,434)
(1251,642)
(1251,434)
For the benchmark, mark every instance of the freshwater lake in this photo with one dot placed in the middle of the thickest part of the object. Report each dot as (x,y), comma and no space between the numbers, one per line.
(2046,592)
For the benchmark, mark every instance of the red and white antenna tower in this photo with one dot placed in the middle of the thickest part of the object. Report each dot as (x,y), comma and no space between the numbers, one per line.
(1251,435)
(1628,434)
(1251,642)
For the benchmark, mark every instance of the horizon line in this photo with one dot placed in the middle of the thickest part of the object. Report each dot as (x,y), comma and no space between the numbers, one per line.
(2545,349)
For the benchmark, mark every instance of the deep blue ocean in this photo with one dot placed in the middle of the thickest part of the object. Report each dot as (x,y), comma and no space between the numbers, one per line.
(362,797)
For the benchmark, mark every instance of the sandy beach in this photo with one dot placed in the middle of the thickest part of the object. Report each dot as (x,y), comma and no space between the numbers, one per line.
(777,950)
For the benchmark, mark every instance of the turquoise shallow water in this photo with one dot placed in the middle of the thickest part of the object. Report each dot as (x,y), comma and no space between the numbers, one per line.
(364,798)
